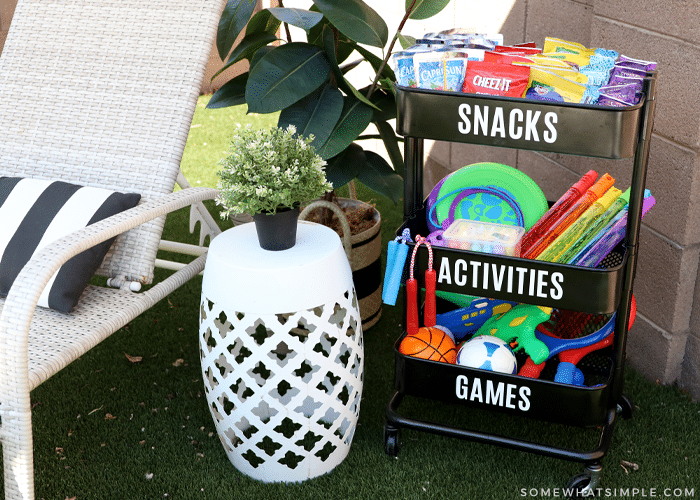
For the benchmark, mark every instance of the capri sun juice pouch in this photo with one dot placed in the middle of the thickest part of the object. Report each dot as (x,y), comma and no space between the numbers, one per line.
(440,70)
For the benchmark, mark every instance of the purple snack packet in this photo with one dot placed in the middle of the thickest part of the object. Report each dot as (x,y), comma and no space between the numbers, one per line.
(627,93)
(636,63)
(627,71)
(604,100)
(624,80)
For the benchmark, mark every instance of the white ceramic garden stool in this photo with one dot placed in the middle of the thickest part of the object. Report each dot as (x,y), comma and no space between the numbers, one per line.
(282,352)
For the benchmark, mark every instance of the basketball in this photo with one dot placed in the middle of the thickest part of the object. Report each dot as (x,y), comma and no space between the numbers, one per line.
(430,343)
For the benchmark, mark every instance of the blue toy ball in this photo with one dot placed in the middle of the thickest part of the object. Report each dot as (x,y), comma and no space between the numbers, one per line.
(487,353)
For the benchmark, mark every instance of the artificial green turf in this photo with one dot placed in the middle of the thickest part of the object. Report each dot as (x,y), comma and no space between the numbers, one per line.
(109,428)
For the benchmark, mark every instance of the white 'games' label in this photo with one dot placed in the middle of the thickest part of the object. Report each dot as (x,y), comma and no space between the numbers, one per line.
(493,121)
(493,393)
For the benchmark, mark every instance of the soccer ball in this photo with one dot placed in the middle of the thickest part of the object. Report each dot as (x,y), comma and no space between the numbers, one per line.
(487,353)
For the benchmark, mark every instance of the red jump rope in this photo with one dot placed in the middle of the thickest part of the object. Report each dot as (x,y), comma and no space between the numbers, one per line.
(429,316)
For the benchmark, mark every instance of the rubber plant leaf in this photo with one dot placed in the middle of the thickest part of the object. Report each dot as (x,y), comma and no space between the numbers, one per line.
(374,60)
(406,41)
(346,165)
(423,9)
(233,19)
(343,84)
(263,22)
(355,19)
(304,19)
(353,120)
(231,93)
(259,54)
(245,49)
(391,142)
(380,177)
(315,114)
(284,75)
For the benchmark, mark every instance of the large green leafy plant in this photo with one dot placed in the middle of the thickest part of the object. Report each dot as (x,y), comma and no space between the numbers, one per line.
(306,81)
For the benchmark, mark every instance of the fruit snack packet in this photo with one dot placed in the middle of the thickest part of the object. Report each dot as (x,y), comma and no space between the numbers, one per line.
(629,93)
(597,76)
(552,44)
(568,73)
(496,79)
(604,58)
(440,70)
(628,62)
(627,72)
(547,86)
(604,100)
(575,54)
(549,60)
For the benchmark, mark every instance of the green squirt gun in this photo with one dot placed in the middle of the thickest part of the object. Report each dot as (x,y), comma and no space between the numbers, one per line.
(519,324)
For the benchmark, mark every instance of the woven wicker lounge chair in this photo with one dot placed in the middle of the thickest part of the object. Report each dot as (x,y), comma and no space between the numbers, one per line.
(96,93)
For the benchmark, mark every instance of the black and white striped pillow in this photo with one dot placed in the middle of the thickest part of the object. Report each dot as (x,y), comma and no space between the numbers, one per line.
(34,213)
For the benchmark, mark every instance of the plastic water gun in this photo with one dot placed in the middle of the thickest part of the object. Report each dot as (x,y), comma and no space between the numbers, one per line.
(466,321)
(519,325)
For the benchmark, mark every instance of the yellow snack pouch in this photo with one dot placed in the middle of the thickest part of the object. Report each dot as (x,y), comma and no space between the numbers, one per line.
(558,45)
(574,60)
(547,86)
(569,74)
(555,61)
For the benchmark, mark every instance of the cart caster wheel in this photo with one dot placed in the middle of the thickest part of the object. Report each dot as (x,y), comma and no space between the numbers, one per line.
(579,486)
(584,485)
(391,441)
(625,407)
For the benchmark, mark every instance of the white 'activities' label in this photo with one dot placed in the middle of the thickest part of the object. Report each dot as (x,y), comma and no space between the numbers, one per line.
(493,121)
(512,279)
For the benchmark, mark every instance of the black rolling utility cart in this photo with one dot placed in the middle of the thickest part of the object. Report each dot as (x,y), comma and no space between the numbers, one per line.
(585,130)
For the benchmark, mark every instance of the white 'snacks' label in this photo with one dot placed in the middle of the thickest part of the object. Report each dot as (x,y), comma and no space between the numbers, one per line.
(512,279)
(493,121)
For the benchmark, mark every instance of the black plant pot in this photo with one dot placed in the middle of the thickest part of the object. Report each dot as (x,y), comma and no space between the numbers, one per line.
(277,231)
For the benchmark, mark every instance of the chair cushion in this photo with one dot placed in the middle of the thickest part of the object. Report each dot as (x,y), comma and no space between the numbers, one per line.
(34,213)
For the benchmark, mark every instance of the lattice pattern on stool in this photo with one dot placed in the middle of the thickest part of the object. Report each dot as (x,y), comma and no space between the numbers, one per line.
(284,389)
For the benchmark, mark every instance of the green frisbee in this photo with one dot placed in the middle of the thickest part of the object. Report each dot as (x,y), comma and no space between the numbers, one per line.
(507,185)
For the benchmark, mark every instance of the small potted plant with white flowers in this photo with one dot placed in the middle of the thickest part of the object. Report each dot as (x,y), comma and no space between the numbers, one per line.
(268,174)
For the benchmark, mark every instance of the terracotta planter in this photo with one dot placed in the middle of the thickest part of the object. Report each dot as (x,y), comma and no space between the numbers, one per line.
(364,253)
